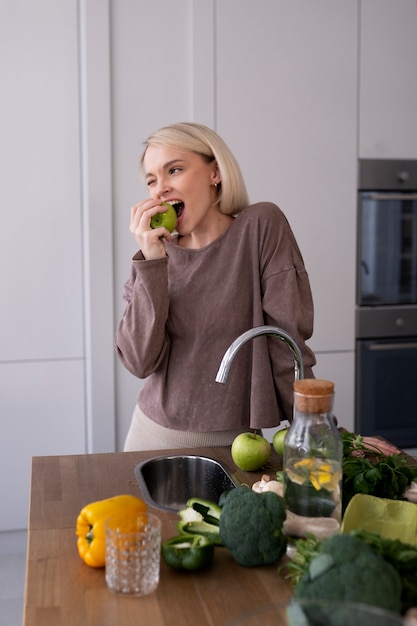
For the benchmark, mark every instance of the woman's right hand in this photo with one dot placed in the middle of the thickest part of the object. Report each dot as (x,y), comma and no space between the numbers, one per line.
(149,239)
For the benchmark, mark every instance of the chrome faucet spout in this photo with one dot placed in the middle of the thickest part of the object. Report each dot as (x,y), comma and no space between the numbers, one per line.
(274,331)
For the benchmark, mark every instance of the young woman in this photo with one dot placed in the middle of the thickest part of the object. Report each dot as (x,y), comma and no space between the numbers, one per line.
(229,267)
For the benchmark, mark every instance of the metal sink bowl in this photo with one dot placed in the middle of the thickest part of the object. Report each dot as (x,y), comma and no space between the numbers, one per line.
(167,482)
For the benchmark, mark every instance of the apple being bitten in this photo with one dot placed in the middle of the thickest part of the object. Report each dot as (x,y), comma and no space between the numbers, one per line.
(250,451)
(167,219)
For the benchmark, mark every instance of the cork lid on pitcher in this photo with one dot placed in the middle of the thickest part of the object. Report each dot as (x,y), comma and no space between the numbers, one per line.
(313,395)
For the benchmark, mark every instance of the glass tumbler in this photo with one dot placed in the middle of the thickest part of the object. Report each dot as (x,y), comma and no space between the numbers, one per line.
(133,549)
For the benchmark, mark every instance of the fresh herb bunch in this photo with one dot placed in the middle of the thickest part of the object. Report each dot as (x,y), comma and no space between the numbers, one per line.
(370,471)
(305,549)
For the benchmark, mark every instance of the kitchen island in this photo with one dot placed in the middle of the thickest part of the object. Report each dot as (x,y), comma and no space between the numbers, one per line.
(61,590)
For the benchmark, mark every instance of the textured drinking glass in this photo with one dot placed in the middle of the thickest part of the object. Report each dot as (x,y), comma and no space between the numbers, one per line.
(133,549)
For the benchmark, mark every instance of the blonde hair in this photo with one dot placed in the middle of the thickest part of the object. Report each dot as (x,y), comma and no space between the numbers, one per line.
(232,196)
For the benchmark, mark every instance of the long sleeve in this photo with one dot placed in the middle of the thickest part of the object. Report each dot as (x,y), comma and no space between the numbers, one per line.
(295,315)
(285,302)
(141,338)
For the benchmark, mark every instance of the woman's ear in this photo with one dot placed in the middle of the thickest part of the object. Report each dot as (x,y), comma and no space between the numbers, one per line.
(215,177)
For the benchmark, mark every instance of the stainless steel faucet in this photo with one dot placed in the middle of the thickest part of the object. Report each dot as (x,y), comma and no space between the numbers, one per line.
(234,348)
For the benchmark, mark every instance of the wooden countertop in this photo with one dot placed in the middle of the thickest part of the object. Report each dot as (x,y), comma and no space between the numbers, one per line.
(61,590)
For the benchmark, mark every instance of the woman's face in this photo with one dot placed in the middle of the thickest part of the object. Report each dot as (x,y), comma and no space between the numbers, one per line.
(174,174)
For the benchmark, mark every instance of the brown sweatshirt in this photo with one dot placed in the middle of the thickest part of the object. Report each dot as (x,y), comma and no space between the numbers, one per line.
(183,311)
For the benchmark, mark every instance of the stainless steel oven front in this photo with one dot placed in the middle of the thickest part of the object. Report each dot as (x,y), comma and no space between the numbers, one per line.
(386,304)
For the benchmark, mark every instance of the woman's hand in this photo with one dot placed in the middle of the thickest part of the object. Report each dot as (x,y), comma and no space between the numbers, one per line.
(149,239)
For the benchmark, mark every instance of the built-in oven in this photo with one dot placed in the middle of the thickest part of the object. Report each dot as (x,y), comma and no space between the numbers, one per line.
(386,303)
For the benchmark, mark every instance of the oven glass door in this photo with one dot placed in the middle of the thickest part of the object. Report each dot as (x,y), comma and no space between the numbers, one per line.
(387,263)
(386,394)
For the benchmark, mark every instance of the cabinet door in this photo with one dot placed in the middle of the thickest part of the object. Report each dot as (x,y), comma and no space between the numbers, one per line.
(42,391)
(42,413)
(150,88)
(286,104)
(40,237)
(388,85)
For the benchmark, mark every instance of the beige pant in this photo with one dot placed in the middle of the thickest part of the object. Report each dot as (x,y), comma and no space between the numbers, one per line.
(145,434)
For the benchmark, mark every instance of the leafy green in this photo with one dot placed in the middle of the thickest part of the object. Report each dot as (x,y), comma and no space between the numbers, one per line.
(370,471)
(305,550)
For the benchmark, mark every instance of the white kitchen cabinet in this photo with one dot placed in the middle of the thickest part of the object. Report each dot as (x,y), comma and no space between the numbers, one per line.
(40,238)
(286,103)
(388,85)
(151,86)
(42,365)
(42,413)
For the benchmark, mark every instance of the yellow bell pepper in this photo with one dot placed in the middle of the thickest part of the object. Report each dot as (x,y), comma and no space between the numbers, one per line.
(91,530)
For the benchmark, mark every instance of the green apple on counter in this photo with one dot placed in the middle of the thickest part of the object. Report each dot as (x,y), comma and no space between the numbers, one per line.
(167,220)
(250,451)
(278,441)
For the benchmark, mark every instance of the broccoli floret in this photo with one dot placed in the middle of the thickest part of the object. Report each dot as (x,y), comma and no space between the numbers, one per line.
(251,526)
(402,556)
(347,569)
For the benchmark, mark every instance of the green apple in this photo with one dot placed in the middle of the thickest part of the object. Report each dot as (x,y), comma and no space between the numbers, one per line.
(250,451)
(167,220)
(278,441)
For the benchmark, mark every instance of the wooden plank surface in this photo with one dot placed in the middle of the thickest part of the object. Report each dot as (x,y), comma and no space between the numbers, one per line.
(61,589)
